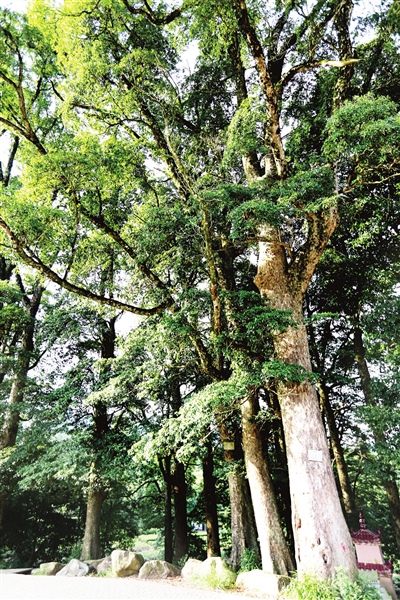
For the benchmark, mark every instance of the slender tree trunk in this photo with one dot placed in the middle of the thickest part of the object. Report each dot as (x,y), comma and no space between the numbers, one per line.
(3,499)
(390,483)
(338,454)
(91,547)
(9,432)
(243,526)
(180,506)
(168,529)
(322,539)
(282,491)
(210,501)
(244,533)
(275,555)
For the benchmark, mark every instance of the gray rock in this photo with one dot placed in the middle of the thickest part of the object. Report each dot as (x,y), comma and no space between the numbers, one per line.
(125,563)
(94,562)
(158,569)
(104,565)
(216,569)
(190,568)
(258,581)
(50,568)
(75,568)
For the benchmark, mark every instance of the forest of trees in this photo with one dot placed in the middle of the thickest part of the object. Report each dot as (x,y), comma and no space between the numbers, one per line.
(199,279)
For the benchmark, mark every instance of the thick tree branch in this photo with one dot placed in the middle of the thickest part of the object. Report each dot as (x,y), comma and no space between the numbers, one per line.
(342,25)
(149,13)
(101,224)
(321,226)
(36,263)
(10,162)
(254,44)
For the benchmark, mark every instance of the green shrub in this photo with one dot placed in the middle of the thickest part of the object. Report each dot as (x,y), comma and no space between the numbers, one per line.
(342,587)
(249,561)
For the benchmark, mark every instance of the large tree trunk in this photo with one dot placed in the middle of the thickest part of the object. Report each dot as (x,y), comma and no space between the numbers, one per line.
(389,483)
(91,547)
(322,539)
(275,555)
(210,502)
(338,454)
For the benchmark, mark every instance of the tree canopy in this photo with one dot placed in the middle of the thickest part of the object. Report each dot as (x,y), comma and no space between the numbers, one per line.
(228,172)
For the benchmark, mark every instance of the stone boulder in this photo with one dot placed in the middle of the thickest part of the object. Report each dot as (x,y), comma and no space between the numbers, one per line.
(50,568)
(216,568)
(125,563)
(75,568)
(213,572)
(190,568)
(158,569)
(260,582)
(94,562)
(104,565)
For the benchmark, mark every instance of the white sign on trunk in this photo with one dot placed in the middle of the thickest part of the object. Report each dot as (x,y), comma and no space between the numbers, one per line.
(315,455)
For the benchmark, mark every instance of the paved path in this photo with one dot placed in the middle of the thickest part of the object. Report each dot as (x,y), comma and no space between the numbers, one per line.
(36,587)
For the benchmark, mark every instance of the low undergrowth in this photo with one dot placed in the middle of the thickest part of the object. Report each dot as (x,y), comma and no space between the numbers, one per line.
(212,580)
(342,587)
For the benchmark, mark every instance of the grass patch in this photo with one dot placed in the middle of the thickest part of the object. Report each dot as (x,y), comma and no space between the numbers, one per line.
(342,587)
(150,545)
(212,580)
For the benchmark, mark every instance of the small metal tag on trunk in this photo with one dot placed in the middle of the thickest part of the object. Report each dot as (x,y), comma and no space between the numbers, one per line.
(315,455)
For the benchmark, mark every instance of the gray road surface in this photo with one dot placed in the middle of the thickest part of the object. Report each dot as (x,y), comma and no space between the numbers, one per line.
(27,587)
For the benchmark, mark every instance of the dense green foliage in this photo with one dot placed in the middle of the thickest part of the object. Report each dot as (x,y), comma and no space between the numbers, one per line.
(139,186)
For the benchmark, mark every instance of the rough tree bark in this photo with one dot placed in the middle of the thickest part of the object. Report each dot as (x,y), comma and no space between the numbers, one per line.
(318,360)
(91,547)
(168,529)
(243,526)
(275,554)
(322,539)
